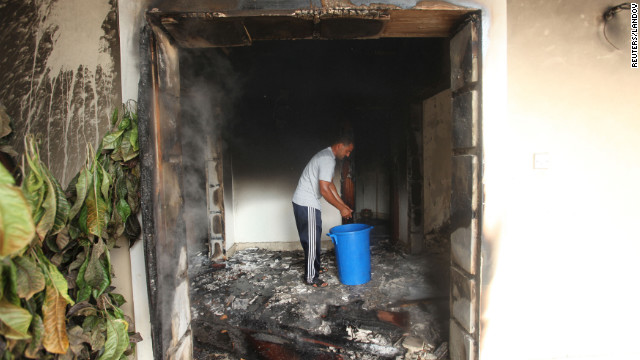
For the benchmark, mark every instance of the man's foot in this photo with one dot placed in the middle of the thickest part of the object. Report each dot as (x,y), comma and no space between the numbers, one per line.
(317,283)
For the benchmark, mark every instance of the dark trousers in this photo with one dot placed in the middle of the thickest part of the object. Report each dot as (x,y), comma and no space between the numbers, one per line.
(309,224)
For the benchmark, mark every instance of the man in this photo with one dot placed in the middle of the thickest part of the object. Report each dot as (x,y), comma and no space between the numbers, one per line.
(316,182)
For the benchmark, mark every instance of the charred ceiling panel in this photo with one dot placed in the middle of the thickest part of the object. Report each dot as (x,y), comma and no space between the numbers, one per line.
(218,27)
(203,32)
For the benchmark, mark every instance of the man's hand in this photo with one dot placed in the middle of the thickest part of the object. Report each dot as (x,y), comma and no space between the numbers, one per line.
(345,212)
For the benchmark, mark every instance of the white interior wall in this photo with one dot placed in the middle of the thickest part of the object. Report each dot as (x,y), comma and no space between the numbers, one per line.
(373,191)
(263,213)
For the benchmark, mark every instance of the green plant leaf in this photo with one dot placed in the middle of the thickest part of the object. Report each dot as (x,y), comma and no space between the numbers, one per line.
(10,275)
(106,183)
(62,240)
(15,318)
(112,140)
(123,210)
(37,331)
(16,225)
(84,290)
(59,283)
(55,338)
(97,216)
(46,223)
(33,186)
(125,123)
(96,275)
(5,176)
(62,206)
(118,299)
(30,279)
(133,139)
(114,117)
(98,337)
(117,339)
(82,186)
(82,220)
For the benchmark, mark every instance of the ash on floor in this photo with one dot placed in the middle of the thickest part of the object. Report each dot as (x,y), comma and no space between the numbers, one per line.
(257,307)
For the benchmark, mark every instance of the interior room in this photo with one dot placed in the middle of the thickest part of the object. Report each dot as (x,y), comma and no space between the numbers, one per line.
(258,113)
(241,103)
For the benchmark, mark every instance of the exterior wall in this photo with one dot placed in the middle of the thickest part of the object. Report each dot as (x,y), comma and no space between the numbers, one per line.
(560,243)
(59,75)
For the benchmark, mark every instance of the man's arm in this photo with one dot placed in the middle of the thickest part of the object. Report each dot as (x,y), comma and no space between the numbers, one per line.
(330,193)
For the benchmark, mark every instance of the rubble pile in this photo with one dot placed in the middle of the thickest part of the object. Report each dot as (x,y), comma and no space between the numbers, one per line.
(257,306)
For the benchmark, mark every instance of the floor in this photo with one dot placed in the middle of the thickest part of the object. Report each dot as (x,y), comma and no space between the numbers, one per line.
(256,306)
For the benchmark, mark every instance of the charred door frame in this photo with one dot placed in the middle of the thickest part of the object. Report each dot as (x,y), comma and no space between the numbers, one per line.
(161,153)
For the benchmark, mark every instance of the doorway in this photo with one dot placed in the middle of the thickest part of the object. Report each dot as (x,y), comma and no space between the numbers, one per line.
(167,227)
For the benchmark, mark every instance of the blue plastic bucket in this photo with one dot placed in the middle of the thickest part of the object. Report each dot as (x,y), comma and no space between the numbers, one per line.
(352,252)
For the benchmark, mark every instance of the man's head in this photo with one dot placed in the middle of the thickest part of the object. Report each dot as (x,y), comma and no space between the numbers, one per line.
(342,146)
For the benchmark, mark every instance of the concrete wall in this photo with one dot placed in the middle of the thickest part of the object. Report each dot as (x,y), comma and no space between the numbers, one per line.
(264,181)
(560,243)
(60,80)
(59,76)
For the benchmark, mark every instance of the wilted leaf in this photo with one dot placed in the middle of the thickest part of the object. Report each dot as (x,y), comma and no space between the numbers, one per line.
(33,187)
(37,330)
(117,339)
(46,223)
(125,123)
(118,299)
(96,213)
(82,186)
(123,210)
(112,140)
(106,183)
(76,337)
(60,283)
(97,336)
(16,225)
(30,279)
(63,238)
(135,337)
(133,139)
(77,262)
(62,207)
(83,308)
(96,276)
(10,278)
(16,319)
(84,290)
(55,336)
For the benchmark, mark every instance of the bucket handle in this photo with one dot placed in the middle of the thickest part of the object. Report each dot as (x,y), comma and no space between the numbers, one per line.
(334,238)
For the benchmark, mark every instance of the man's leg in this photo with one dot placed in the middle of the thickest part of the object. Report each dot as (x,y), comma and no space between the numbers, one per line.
(318,245)
(303,225)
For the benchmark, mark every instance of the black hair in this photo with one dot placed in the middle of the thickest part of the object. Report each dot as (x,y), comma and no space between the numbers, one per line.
(345,138)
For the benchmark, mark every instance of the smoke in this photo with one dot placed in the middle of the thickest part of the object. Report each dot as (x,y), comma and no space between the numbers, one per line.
(209,88)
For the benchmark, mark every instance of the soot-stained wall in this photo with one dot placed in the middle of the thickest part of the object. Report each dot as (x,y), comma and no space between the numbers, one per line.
(59,75)
(277,103)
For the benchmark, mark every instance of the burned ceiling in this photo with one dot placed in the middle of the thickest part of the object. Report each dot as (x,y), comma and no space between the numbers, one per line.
(217,28)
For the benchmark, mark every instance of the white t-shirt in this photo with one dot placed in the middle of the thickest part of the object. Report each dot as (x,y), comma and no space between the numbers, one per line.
(320,167)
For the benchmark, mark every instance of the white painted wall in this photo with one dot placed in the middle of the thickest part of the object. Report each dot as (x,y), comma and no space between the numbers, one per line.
(131,21)
(263,212)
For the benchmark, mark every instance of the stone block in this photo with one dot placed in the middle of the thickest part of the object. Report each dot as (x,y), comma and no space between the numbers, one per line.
(464,197)
(465,120)
(464,52)
(463,299)
(461,344)
(464,247)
